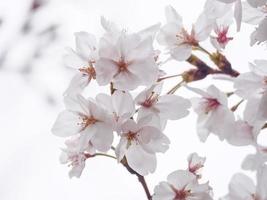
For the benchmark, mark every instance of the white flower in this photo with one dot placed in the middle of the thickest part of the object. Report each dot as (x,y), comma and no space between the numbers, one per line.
(221,30)
(254,14)
(245,131)
(120,105)
(260,34)
(195,163)
(212,109)
(255,161)
(237,11)
(113,32)
(257,3)
(127,63)
(175,37)
(254,82)
(90,121)
(214,9)
(162,107)
(139,144)
(242,187)
(182,185)
(74,157)
(82,60)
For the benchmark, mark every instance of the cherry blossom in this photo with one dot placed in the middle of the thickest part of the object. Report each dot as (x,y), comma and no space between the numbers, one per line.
(254,161)
(182,185)
(221,29)
(137,111)
(252,86)
(242,187)
(83,60)
(211,109)
(119,104)
(245,131)
(195,164)
(257,3)
(175,37)
(139,144)
(255,12)
(128,63)
(254,82)
(237,11)
(73,156)
(260,34)
(162,107)
(89,120)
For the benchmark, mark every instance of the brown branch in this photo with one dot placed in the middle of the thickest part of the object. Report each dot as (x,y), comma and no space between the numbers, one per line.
(140,178)
(203,70)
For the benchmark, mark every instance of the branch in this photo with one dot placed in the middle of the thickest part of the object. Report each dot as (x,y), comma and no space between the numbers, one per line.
(140,178)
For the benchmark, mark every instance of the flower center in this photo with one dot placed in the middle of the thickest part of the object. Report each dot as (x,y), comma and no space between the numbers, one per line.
(211,104)
(131,136)
(89,71)
(87,121)
(181,194)
(150,100)
(187,38)
(222,35)
(122,65)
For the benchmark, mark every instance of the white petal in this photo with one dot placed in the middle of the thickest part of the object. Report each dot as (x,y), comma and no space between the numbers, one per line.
(181,178)
(77,84)
(181,52)
(105,101)
(173,107)
(105,70)
(146,70)
(74,60)
(123,103)
(121,148)
(172,15)
(163,191)
(85,44)
(167,34)
(241,186)
(126,81)
(142,51)
(227,1)
(251,15)
(257,3)
(238,14)
(103,138)
(130,126)
(141,161)
(108,50)
(66,124)
(262,180)
(203,27)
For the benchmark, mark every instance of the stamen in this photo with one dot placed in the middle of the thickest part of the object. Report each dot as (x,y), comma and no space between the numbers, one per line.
(211,104)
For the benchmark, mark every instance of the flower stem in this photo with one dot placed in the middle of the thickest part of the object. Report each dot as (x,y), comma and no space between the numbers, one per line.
(203,50)
(167,77)
(103,154)
(173,90)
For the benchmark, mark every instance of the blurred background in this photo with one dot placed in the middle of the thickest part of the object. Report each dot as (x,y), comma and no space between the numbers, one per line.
(33,37)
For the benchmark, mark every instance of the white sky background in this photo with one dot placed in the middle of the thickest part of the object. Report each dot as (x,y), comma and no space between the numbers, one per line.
(30,102)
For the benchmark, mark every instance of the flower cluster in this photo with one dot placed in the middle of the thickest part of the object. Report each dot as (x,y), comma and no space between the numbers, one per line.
(131,119)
